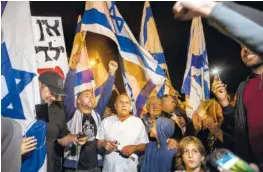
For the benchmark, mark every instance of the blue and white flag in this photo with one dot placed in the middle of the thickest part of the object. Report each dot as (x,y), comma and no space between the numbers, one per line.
(149,40)
(196,84)
(141,72)
(19,81)
(84,78)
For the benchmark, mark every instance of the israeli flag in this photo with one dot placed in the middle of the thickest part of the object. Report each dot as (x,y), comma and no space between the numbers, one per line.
(150,41)
(141,72)
(19,81)
(196,83)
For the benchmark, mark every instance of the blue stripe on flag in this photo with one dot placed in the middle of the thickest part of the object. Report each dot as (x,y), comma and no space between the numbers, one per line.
(197,61)
(124,40)
(78,27)
(3,5)
(161,91)
(186,88)
(93,16)
(159,57)
(144,95)
(82,77)
(206,90)
(147,18)
(127,45)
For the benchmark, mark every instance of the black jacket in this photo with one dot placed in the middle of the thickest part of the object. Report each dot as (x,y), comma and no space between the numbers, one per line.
(235,121)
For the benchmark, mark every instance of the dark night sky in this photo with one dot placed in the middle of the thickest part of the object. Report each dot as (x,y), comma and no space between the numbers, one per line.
(174,35)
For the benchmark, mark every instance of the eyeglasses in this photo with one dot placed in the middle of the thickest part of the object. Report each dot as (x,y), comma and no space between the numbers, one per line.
(155,105)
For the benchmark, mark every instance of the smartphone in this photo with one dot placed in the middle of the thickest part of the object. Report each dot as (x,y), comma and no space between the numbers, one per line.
(225,160)
(218,76)
(42,112)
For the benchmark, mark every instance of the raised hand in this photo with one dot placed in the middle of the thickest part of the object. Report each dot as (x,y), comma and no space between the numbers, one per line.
(74,60)
(113,66)
(219,90)
(186,10)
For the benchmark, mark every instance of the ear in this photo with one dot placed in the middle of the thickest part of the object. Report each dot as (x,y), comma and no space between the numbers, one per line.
(40,84)
(78,100)
(115,106)
(147,107)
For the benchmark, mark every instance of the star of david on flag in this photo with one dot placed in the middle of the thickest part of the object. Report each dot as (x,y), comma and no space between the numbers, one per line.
(141,73)
(196,84)
(19,81)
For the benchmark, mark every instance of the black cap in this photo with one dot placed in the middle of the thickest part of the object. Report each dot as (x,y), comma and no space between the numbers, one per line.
(53,81)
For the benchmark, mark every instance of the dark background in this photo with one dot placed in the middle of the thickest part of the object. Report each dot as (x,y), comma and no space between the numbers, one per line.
(174,35)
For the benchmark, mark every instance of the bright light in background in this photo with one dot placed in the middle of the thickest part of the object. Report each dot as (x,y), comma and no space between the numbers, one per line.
(92,63)
(215,71)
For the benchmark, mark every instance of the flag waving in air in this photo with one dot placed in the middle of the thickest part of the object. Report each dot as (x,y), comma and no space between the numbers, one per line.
(196,83)
(149,40)
(141,72)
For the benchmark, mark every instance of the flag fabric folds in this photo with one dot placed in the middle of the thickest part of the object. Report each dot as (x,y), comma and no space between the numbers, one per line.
(141,72)
(19,81)
(91,72)
(196,83)
(149,40)
(83,77)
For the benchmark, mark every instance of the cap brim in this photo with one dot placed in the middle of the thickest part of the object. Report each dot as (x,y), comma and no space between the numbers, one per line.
(57,91)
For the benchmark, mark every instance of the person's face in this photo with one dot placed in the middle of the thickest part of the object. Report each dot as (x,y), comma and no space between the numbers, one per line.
(86,99)
(168,104)
(155,107)
(153,130)
(192,158)
(46,95)
(249,58)
(182,122)
(123,105)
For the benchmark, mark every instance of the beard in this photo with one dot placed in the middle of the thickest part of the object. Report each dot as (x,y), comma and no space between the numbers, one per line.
(256,65)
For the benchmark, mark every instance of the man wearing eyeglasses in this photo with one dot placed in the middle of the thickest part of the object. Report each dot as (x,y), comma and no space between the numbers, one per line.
(51,87)
(154,108)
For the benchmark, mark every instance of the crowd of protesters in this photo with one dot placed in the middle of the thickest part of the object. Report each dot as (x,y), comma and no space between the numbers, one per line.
(84,135)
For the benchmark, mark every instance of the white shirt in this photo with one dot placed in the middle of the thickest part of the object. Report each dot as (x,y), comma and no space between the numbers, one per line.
(128,132)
